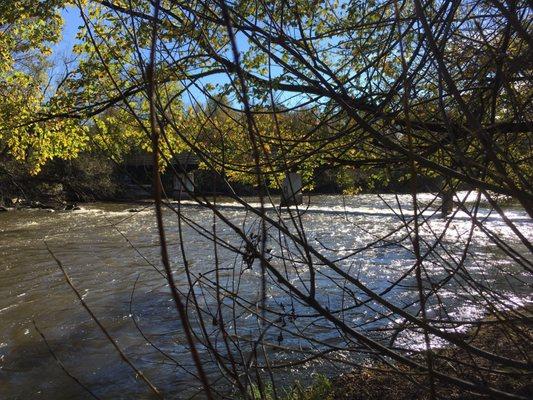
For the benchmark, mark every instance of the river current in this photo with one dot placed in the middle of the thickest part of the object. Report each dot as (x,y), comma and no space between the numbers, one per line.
(107,250)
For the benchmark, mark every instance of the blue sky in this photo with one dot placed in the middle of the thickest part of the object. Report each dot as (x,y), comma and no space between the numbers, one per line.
(72,19)
(63,51)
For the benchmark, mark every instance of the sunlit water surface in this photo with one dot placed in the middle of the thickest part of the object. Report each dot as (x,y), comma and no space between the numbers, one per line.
(100,245)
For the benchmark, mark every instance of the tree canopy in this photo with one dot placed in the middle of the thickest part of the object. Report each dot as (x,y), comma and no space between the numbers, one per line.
(394,90)
(358,85)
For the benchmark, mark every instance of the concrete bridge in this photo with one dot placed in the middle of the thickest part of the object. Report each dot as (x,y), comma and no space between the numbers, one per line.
(177,181)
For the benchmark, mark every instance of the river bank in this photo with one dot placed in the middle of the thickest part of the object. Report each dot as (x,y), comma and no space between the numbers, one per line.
(91,177)
(389,381)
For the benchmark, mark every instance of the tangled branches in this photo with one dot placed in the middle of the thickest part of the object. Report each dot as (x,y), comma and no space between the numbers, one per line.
(394,90)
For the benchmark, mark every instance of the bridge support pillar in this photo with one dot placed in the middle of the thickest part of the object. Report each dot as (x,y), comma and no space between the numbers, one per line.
(447,202)
(182,183)
(291,190)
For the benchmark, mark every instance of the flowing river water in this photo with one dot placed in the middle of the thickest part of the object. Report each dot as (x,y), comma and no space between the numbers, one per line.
(107,250)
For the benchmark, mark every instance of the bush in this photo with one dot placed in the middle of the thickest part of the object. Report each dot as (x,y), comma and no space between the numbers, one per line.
(320,389)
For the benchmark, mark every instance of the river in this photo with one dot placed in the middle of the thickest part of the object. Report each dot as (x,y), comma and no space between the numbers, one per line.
(108,249)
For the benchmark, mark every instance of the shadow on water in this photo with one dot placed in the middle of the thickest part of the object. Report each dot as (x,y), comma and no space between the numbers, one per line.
(29,371)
